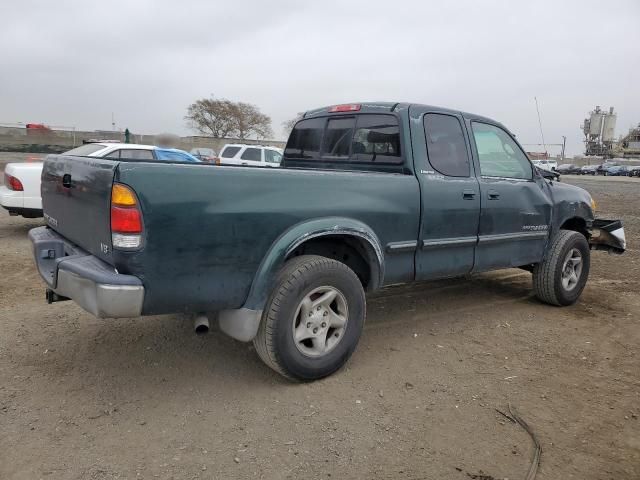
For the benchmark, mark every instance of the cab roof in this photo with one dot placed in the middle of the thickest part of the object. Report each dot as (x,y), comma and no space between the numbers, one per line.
(388,107)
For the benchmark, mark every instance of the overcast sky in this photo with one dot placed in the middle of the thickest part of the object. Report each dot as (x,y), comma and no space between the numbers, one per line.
(75,62)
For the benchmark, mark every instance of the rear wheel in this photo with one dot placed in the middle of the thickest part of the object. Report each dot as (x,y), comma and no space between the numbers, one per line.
(313,318)
(560,278)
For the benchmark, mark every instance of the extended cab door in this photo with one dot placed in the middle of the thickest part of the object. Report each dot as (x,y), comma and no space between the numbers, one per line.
(450,195)
(515,202)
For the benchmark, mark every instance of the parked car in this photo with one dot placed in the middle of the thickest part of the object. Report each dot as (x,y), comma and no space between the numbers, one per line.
(250,155)
(204,154)
(605,166)
(589,170)
(568,169)
(21,193)
(546,164)
(634,171)
(364,199)
(617,171)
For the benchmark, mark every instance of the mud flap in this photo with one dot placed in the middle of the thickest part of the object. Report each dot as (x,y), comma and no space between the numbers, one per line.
(608,235)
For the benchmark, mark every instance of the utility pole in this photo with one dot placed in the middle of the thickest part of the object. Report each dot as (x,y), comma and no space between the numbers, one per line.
(564,143)
(540,123)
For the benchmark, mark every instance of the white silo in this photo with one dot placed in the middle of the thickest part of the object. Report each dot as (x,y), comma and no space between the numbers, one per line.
(595,122)
(609,126)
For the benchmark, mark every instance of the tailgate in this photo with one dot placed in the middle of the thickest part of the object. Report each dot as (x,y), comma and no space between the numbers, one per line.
(76,200)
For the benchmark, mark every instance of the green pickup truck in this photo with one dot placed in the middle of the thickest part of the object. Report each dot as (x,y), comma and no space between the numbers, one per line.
(367,195)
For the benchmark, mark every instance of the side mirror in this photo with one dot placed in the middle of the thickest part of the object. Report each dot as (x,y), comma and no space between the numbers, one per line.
(549,175)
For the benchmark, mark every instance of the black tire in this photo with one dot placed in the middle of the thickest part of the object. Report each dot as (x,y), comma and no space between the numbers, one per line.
(547,275)
(275,341)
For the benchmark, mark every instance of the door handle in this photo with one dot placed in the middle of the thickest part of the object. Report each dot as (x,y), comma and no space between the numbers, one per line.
(66,180)
(468,194)
(493,195)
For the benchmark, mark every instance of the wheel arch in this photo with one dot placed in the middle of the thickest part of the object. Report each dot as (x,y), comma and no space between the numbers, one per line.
(576,224)
(333,237)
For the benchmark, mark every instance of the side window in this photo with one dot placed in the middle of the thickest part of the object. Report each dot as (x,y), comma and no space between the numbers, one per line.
(446,146)
(271,156)
(229,152)
(115,155)
(174,156)
(337,138)
(499,155)
(251,154)
(377,139)
(131,154)
(304,141)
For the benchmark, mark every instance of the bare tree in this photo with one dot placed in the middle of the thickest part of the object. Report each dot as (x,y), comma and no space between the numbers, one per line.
(224,118)
(249,120)
(212,117)
(289,124)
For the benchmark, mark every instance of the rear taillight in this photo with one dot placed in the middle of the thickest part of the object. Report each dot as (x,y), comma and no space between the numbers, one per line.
(126,218)
(13,183)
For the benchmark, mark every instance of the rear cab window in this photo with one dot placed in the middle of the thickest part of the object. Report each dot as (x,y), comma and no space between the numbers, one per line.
(359,142)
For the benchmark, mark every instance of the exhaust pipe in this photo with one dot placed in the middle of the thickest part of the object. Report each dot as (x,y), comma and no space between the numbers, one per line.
(201,324)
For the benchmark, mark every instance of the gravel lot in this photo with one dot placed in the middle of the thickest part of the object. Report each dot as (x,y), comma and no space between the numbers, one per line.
(85,398)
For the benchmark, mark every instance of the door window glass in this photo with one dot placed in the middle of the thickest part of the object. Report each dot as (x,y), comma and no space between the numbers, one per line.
(271,156)
(131,154)
(115,155)
(499,155)
(229,152)
(446,146)
(252,154)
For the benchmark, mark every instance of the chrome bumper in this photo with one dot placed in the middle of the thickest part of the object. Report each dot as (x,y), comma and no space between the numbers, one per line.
(72,273)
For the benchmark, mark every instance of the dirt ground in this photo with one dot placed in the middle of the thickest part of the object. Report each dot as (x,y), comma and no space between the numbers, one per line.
(82,398)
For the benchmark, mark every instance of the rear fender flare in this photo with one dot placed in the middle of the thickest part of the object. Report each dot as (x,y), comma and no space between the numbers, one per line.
(291,239)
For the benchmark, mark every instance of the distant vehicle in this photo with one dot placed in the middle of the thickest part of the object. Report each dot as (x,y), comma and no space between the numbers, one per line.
(604,167)
(546,164)
(589,170)
(568,169)
(20,194)
(617,171)
(204,154)
(250,155)
(634,171)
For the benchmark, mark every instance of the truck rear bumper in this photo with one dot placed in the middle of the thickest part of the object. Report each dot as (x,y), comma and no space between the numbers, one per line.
(93,284)
(607,235)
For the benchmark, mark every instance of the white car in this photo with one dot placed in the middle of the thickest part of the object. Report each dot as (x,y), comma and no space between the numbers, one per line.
(250,155)
(550,165)
(20,194)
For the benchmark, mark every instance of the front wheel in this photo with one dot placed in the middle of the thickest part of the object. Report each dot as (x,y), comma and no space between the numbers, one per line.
(313,318)
(560,278)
